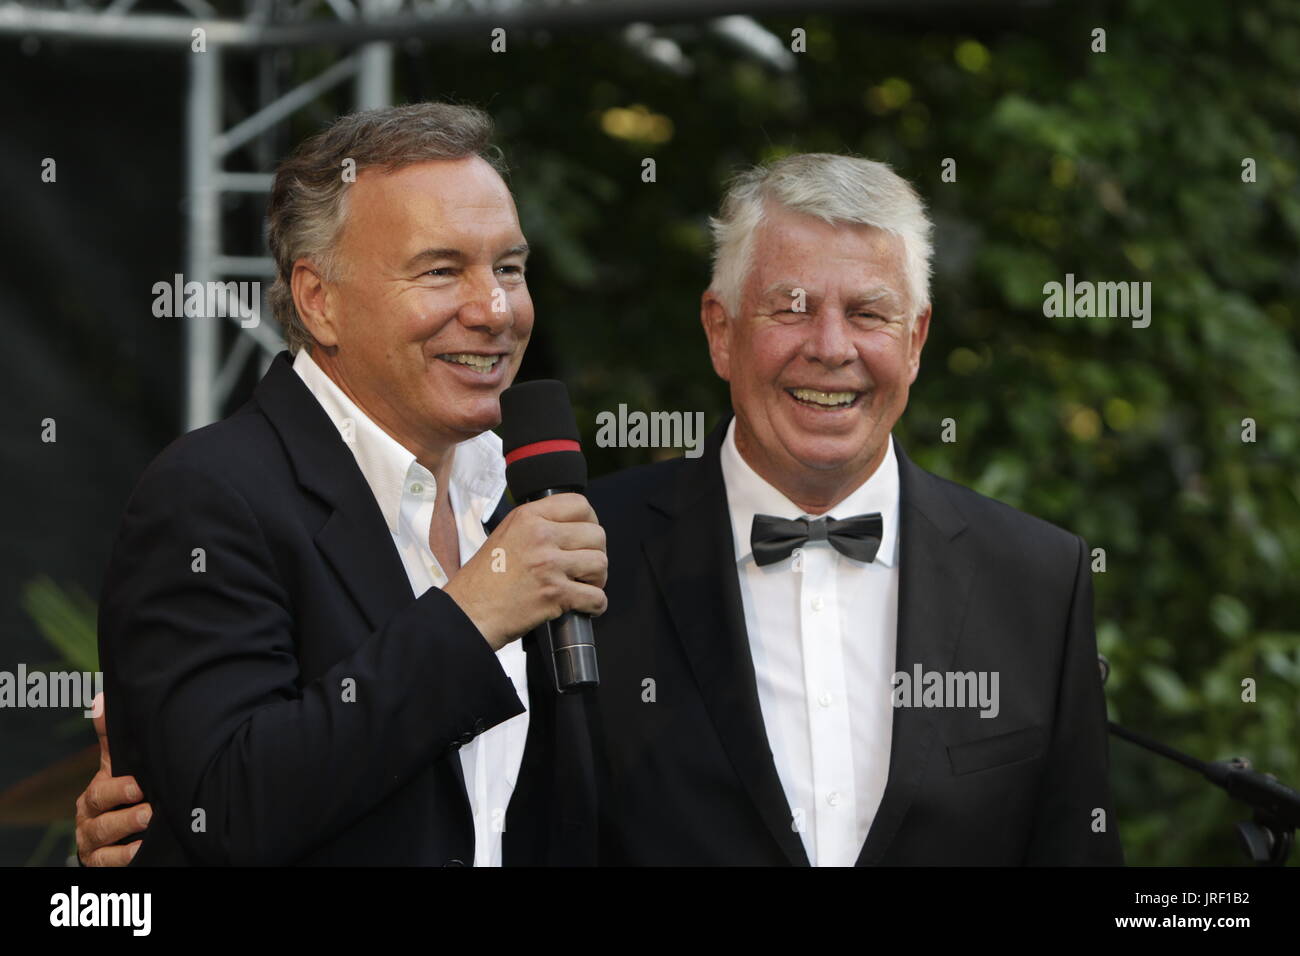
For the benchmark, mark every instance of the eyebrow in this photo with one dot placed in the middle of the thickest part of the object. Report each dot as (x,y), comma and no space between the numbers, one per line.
(785,288)
(432,255)
(866,296)
(877,294)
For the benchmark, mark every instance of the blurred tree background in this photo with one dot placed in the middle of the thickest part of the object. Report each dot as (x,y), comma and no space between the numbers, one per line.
(1122,165)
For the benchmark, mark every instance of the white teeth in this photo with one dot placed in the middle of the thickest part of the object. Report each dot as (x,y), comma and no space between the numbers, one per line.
(823,398)
(481,363)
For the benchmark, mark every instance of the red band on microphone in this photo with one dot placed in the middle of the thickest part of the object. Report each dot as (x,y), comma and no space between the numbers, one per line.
(542,448)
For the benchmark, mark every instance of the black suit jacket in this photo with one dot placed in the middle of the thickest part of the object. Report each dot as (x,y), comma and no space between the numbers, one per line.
(688,778)
(284,681)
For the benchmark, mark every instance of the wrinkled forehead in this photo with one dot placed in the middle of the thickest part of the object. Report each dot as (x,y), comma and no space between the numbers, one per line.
(793,252)
(458,192)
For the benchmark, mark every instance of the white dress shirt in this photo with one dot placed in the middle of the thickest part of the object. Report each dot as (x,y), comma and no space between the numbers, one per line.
(406,492)
(823,644)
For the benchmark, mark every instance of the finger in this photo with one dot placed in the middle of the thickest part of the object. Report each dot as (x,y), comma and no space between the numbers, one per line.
(578,536)
(585,599)
(105,793)
(587,566)
(110,828)
(101,729)
(567,506)
(97,706)
(113,855)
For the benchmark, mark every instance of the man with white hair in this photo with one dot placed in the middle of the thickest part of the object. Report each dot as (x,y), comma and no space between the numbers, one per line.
(815,651)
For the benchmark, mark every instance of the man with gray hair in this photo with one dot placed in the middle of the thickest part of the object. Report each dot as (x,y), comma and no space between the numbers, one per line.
(816,652)
(311,655)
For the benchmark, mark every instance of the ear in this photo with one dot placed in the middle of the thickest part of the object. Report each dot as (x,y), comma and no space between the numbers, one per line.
(920,331)
(717,330)
(313,300)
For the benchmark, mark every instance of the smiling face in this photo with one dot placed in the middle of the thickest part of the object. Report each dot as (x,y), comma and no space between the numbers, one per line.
(427,322)
(816,392)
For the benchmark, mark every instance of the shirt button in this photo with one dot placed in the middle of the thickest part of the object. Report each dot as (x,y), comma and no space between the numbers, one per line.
(825,699)
(417,489)
(817,604)
(833,798)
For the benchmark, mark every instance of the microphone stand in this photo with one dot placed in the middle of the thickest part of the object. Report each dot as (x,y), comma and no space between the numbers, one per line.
(1268,836)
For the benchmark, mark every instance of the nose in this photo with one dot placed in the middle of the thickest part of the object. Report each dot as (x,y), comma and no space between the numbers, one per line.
(828,342)
(486,305)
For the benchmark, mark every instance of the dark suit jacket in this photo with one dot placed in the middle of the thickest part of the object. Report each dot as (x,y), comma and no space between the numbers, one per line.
(291,687)
(689,778)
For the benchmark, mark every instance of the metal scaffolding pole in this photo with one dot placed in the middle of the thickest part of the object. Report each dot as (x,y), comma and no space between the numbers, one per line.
(370,30)
(211,372)
(375,74)
(202,337)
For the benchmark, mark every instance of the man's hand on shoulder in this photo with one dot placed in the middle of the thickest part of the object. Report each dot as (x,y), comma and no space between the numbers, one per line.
(99,825)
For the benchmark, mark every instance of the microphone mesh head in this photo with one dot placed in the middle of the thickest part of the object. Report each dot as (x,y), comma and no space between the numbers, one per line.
(540,440)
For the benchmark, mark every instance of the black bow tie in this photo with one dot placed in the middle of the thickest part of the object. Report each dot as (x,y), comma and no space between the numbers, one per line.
(774,539)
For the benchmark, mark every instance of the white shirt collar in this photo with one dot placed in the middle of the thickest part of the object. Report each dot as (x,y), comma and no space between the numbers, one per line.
(748,494)
(478,469)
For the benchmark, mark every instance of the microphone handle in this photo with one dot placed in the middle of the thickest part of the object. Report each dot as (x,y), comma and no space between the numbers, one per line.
(574,649)
(573,642)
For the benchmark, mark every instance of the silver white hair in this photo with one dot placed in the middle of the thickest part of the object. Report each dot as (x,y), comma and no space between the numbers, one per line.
(837,189)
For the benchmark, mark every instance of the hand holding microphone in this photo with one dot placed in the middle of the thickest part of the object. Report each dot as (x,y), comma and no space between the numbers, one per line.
(546,561)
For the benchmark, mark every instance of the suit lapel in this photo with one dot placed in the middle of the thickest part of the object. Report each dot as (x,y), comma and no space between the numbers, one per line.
(694,564)
(935,575)
(355,539)
(496,517)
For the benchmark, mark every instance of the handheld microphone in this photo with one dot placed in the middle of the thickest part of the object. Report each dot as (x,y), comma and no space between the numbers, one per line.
(540,439)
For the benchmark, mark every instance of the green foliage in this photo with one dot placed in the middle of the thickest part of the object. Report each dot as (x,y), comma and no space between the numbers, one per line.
(66,619)
(1116,166)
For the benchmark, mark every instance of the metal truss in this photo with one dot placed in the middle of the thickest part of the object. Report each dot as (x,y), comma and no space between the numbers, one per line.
(360,34)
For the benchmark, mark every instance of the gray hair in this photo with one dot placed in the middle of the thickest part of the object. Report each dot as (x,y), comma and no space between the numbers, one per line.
(308,205)
(834,188)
